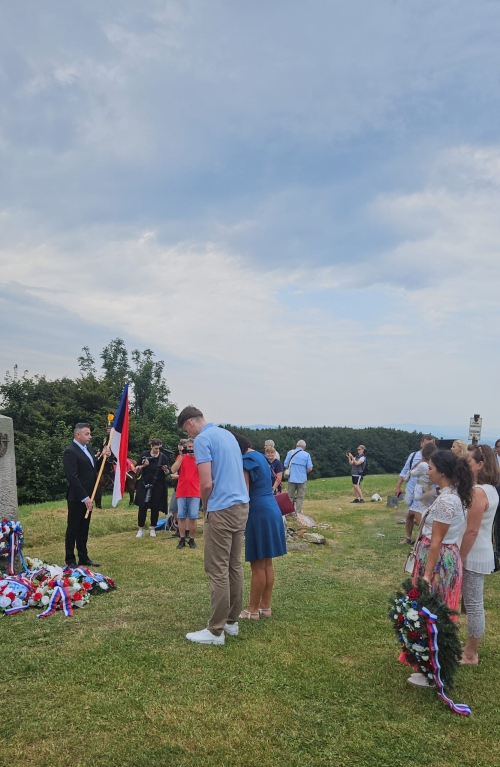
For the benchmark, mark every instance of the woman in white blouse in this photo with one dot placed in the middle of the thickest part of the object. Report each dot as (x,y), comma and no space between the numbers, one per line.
(477,548)
(438,555)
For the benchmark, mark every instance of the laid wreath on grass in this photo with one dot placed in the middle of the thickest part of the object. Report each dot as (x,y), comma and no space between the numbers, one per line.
(429,637)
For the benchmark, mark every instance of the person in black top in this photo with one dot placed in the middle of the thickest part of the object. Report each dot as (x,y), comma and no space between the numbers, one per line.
(151,489)
(276,470)
(80,468)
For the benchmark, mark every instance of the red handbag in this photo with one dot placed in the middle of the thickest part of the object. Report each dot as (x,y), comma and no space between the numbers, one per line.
(285,504)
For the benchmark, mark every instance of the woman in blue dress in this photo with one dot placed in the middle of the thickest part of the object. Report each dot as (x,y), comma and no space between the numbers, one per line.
(264,534)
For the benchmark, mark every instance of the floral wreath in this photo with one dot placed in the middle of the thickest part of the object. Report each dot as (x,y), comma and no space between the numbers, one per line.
(43,585)
(11,541)
(428,636)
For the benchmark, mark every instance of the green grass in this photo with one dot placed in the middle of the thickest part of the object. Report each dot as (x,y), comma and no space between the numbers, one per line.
(318,684)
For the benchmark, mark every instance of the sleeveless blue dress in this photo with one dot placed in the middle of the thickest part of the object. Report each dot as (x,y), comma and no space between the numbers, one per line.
(265,532)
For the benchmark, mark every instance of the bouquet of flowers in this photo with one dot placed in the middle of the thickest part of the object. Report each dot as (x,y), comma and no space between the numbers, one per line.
(11,540)
(428,636)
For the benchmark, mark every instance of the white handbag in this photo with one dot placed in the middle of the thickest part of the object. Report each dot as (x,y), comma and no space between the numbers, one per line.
(412,556)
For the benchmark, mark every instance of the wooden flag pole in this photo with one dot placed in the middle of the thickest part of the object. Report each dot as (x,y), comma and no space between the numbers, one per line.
(104,457)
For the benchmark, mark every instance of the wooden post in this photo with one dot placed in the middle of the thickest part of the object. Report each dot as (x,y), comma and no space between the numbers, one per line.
(94,491)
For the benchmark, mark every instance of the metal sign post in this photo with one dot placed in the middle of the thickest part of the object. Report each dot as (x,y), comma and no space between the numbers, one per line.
(475,429)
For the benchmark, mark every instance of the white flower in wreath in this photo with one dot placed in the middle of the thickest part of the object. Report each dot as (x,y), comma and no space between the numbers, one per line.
(419,648)
(45,600)
(398,609)
(417,624)
(412,615)
(17,602)
(4,602)
(104,586)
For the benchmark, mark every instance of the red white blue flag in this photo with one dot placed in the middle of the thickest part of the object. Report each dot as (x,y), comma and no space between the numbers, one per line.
(119,447)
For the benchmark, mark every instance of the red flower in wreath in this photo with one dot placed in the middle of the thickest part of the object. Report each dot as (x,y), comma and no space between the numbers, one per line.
(111,582)
(401,618)
(413,635)
(414,593)
(51,583)
(87,585)
(77,597)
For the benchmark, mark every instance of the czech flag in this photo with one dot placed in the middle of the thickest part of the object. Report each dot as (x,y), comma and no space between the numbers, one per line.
(119,447)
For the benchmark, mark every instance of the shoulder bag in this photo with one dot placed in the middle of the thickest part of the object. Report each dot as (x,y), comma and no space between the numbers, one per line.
(286,473)
(412,556)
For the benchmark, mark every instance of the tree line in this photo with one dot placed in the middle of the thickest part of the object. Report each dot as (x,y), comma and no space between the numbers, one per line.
(44,413)
(387,449)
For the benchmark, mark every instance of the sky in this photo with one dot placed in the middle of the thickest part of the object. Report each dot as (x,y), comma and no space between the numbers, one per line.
(294,205)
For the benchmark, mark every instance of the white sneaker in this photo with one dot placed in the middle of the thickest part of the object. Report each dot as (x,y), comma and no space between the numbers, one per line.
(152,532)
(420,680)
(205,637)
(231,629)
(140,534)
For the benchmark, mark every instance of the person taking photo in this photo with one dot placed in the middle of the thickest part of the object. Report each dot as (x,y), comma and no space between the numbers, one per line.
(187,494)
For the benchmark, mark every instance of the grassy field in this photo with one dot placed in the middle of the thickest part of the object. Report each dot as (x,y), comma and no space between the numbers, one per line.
(318,684)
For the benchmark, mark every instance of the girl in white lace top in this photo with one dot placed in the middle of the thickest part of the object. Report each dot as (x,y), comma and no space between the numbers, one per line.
(477,549)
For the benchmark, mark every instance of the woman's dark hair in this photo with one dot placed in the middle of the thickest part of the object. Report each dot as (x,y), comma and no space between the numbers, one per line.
(155,442)
(243,442)
(490,473)
(458,471)
(428,449)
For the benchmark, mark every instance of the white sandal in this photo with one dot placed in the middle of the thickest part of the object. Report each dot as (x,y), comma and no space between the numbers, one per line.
(249,615)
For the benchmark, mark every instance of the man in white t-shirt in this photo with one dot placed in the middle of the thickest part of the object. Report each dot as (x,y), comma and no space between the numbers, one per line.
(411,482)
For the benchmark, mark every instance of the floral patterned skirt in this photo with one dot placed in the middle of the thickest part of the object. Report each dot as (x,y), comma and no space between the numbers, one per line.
(446,578)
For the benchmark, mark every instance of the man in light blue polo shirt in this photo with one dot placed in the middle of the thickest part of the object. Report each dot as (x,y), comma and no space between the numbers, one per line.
(300,464)
(225,502)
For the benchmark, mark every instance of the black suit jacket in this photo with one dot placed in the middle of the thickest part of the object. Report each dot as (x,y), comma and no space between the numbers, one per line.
(79,472)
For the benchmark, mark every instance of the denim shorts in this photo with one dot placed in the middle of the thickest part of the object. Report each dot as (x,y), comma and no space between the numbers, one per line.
(188,507)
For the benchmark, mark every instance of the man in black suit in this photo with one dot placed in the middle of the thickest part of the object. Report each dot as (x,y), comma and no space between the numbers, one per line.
(80,468)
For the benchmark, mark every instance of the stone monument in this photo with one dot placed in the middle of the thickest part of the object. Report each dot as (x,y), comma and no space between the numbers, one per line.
(8,485)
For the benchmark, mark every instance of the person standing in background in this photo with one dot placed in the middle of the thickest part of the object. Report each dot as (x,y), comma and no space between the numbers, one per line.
(358,469)
(187,494)
(270,443)
(411,482)
(299,465)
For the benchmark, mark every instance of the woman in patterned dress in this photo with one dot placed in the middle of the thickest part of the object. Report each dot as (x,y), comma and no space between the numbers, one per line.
(438,554)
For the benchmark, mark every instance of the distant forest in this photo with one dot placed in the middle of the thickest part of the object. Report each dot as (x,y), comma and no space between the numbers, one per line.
(44,413)
(387,449)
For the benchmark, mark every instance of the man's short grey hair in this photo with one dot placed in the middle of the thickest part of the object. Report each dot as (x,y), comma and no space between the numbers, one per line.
(79,427)
(269,442)
(301,443)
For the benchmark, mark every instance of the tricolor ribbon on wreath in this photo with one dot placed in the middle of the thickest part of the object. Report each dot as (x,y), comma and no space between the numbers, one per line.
(432,633)
(60,594)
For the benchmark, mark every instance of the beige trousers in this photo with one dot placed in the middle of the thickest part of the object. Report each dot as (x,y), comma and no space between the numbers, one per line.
(223,533)
(297,489)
